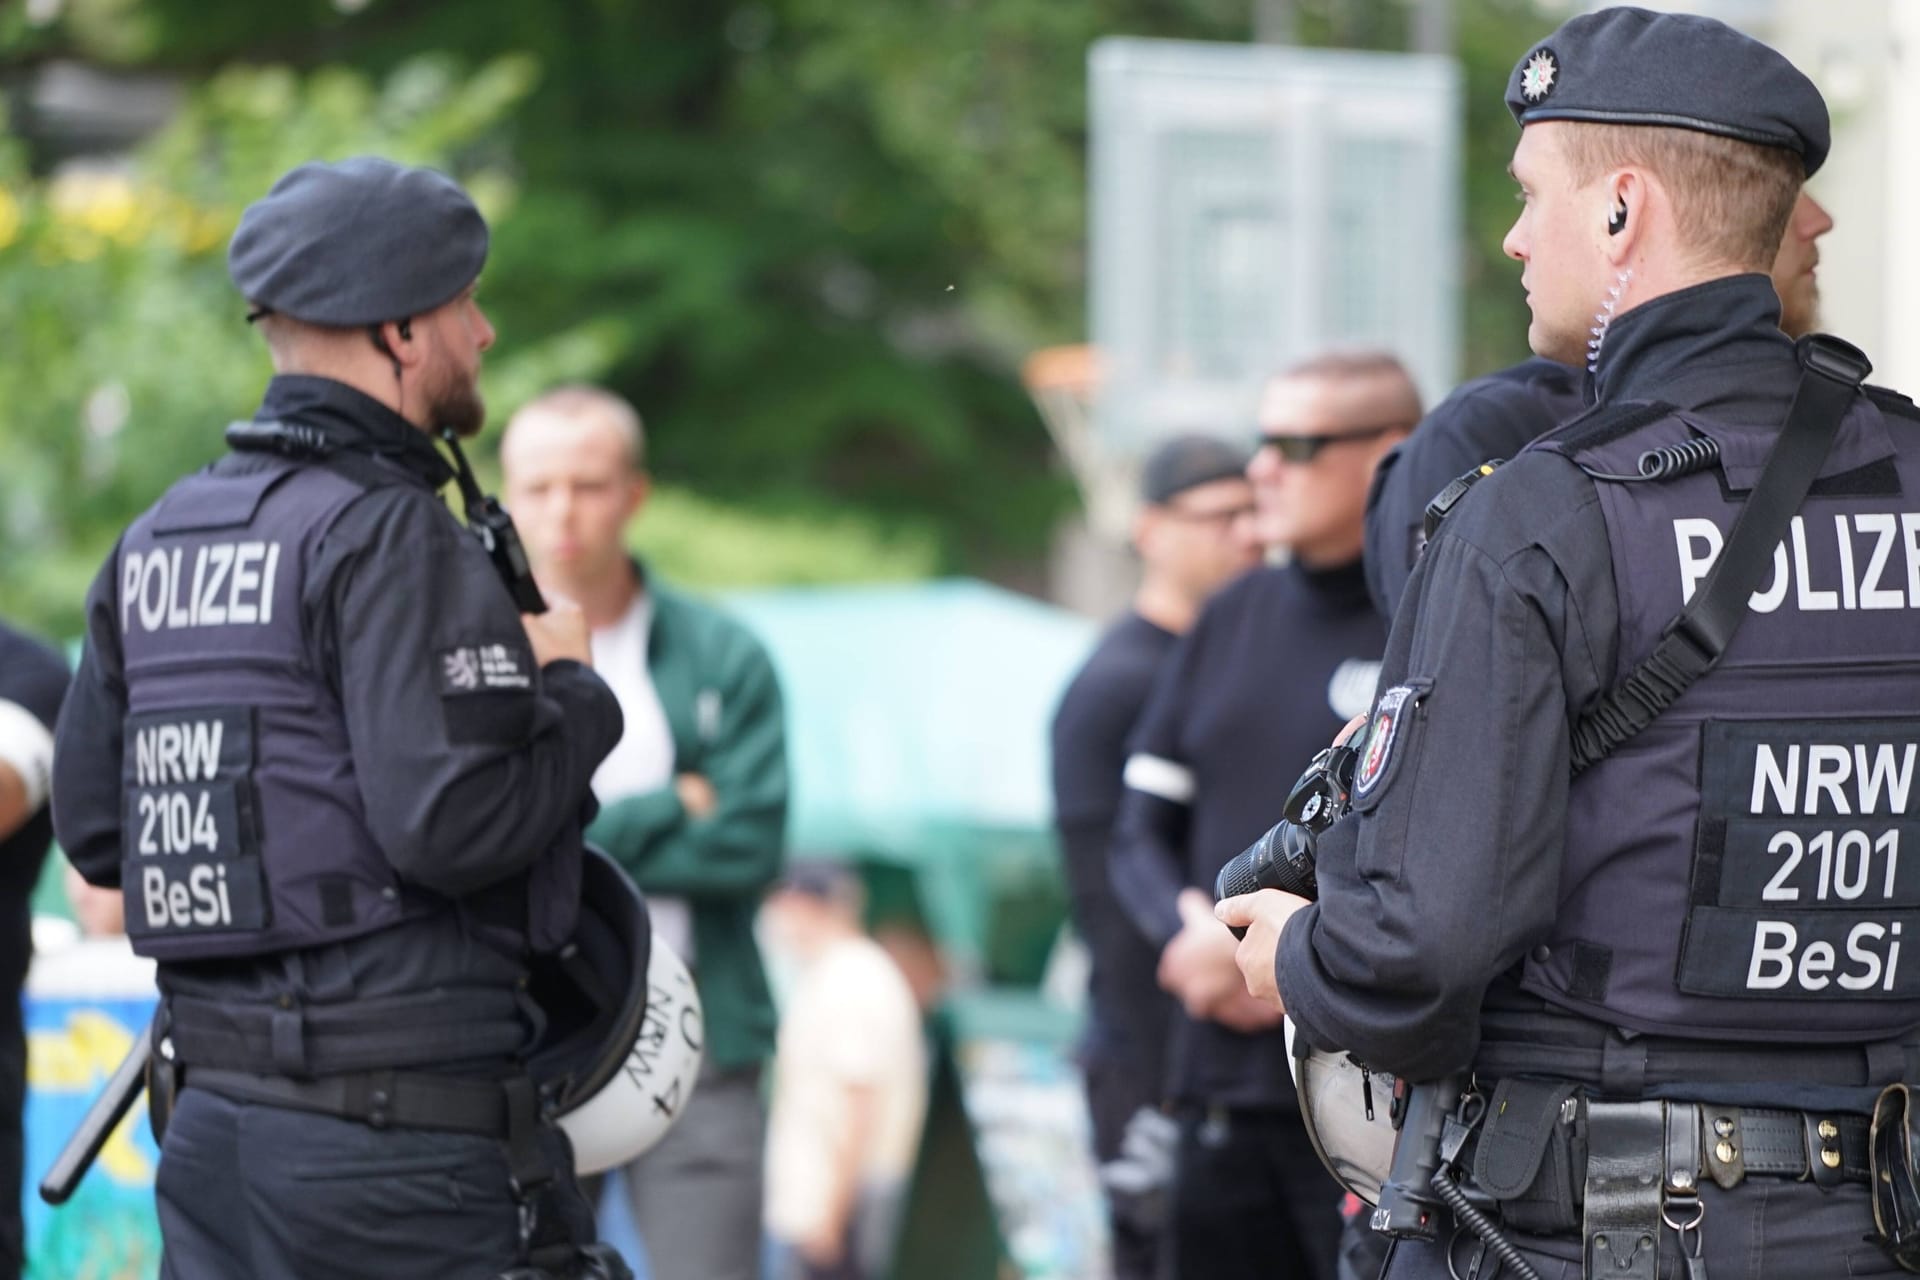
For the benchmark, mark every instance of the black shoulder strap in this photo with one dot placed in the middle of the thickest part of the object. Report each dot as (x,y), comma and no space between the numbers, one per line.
(304,445)
(1831,374)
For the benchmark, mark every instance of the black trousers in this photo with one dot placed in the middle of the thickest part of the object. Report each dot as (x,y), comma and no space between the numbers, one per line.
(1116,1089)
(251,1192)
(1251,1201)
(1763,1229)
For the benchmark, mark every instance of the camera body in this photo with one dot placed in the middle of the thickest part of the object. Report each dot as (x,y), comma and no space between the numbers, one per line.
(1283,858)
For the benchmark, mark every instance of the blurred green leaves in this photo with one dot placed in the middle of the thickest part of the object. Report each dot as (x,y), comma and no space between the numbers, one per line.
(809,239)
(125,349)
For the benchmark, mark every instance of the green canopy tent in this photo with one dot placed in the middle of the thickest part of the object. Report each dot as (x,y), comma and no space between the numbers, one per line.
(917,731)
(917,721)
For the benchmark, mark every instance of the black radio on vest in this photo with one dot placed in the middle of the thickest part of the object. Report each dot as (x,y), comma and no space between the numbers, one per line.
(490,523)
(1283,857)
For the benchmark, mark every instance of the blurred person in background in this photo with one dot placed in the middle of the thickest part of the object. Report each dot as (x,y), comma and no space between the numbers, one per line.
(1276,663)
(693,805)
(1496,416)
(33,680)
(1193,533)
(849,1086)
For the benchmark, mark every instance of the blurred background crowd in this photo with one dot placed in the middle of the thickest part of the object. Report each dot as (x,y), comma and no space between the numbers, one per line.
(816,282)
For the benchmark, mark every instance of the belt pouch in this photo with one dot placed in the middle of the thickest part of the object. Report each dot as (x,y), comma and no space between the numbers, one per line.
(1625,1162)
(1896,1202)
(1528,1148)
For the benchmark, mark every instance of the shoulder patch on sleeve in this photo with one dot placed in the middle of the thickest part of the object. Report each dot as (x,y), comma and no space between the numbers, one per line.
(485,668)
(1383,735)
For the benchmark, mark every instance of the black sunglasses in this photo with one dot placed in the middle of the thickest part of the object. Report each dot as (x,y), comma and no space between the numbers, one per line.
(1304,448)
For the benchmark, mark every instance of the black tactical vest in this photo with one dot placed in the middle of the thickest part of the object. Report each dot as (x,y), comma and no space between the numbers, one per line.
(1748,867)
(244,832)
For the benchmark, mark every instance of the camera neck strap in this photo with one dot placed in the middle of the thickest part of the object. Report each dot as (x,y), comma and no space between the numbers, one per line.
(1692,644)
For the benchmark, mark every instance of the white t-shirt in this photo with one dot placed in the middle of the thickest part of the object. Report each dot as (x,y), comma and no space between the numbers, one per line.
(643,759)
(852,1021)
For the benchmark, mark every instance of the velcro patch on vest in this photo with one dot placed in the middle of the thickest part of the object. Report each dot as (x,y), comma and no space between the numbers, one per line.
(1385,734)
(191,857)
(485,668)
(1806,869)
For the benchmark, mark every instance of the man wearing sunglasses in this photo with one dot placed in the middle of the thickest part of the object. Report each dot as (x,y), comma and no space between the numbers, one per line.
(1276,663)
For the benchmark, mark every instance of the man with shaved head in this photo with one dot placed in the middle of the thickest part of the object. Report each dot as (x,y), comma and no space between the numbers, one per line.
(693,805)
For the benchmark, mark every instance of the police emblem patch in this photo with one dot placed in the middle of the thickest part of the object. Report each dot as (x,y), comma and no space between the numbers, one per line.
(485,668)
(460,669)
(1375,756)
(1538,76)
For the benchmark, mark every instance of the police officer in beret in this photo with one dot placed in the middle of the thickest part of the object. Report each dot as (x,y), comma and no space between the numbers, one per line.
(1628,896)
(341,781)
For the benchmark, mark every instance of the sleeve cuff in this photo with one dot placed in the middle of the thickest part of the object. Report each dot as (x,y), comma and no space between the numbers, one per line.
(581,691)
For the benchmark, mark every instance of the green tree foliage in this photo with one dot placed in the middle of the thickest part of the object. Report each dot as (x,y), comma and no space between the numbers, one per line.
(809,239)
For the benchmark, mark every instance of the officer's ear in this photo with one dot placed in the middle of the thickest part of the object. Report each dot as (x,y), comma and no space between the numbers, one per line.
(399,342)
(1623,209)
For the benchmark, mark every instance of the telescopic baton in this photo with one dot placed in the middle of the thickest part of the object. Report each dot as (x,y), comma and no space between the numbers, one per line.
(102,1118)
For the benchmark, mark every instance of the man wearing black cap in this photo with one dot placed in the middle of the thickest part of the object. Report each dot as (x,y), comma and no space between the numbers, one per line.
(341,781)
(1651,677)
(1276,662)
(1193,534)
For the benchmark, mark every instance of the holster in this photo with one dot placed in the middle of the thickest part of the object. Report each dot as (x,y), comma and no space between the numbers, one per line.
(1530,1154)
(1896,1189)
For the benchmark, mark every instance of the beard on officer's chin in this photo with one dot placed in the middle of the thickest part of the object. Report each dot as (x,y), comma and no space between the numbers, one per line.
(458,407)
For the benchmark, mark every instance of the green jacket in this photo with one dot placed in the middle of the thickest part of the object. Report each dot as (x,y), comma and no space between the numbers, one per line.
(722,702)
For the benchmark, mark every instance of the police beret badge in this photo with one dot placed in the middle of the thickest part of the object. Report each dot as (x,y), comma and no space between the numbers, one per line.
(1540,74)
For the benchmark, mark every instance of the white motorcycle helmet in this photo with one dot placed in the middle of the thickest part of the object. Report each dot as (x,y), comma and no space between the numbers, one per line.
(623,1045)
(1336,1094)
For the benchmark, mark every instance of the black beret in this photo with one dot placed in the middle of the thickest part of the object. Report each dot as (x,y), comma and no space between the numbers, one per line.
(1629,66)
(1187,462)
(361,242)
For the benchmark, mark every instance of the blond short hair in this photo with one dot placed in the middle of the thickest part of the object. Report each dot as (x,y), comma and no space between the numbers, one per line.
(579,402)
(1731,199)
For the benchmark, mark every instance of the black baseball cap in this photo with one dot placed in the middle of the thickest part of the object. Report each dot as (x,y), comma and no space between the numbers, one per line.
(1187,462)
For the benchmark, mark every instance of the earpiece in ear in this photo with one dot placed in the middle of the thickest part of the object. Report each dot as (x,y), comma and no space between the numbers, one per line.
(406,326)
(1618,222)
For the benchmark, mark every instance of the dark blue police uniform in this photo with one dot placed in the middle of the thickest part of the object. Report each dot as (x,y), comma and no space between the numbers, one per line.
(309,741)
(1269,673)
(1677,923)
